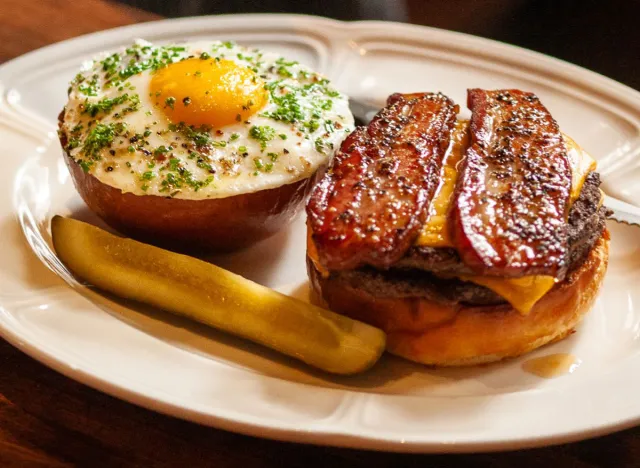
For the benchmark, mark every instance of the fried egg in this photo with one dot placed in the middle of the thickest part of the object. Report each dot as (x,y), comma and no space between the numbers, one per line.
(201,120)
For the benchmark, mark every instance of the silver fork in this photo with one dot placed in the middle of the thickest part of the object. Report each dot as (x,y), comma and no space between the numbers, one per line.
(622,212)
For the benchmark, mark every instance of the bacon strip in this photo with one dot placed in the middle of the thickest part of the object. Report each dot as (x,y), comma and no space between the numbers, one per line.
(371,204)
(512,198)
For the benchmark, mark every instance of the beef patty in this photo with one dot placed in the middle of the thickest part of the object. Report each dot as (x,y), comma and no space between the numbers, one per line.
(415,274)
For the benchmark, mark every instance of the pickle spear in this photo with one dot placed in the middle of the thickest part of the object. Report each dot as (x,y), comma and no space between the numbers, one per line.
(216,297)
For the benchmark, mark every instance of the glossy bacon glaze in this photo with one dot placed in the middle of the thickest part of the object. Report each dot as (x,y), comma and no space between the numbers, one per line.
(371,204)
(512,197)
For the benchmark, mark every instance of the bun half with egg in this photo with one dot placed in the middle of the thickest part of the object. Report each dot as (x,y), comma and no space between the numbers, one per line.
(199,146)
(467,242)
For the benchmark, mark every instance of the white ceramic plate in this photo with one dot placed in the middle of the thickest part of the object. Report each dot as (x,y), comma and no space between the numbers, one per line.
(169,365)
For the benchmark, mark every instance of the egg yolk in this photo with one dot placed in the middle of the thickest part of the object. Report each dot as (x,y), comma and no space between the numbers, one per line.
(207,92)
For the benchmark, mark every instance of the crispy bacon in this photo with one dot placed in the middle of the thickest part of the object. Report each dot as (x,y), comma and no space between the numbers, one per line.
(512,197)
(371,204)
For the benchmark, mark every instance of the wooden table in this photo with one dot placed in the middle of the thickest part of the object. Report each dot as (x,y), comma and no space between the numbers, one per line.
(49,420)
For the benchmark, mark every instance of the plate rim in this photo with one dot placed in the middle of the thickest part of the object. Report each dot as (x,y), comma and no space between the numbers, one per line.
(470,38)
(316,436)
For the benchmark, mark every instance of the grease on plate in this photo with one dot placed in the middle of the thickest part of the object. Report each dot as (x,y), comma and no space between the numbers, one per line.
(552,365)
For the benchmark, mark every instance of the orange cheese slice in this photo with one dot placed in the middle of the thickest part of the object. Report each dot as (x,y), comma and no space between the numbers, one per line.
(581,165)
(435,232)
(521,293)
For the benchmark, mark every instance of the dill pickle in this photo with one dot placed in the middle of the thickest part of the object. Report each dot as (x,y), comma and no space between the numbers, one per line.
(216,297)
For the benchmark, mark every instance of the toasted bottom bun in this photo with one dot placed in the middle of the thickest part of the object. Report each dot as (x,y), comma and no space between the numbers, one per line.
(459,335)
(220,224)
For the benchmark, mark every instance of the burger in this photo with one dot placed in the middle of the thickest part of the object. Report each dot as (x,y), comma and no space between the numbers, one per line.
(466,241)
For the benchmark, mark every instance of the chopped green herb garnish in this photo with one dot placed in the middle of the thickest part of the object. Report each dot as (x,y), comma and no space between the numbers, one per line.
(326,105)
(283,61)
(320,145)
(174,164)
(200,137)
(205,165)
(262,133)
(329,126)
(101,136)
(89,88)
(104,105)
(161,150)
(73,143)
(288,110)
(160,57)
(85,165)
(283,71)
(312,125)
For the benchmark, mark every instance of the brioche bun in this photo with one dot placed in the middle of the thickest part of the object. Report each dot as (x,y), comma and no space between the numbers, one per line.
(446,335)
(215,224)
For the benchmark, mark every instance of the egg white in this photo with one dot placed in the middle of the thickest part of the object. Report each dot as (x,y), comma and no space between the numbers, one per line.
(243,165)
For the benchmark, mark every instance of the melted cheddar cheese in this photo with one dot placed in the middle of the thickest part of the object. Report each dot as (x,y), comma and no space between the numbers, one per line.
(435,232)
(521,293)
(581,165)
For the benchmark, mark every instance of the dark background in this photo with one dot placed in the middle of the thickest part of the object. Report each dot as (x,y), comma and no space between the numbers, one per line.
(603,36)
